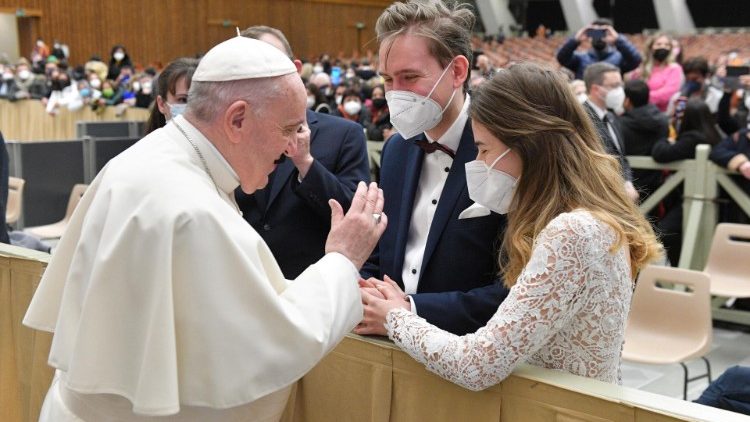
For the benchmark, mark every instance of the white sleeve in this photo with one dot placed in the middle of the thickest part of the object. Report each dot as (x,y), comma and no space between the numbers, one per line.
(545,297)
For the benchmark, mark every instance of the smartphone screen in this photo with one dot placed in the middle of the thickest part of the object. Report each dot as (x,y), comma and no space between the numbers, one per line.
(595,33)
(335,75)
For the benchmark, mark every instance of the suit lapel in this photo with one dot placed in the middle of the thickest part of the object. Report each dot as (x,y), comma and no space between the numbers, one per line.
(454,185)
(285,169)
(412,170)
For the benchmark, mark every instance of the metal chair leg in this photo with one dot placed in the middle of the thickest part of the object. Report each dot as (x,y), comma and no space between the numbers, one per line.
(687,380)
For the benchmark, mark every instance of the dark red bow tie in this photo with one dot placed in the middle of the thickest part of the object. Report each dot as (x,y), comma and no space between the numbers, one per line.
(430,147)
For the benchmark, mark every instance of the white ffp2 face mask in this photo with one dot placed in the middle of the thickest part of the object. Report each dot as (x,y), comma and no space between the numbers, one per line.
(488,187)
(352,107)
(412,114)
(615,98)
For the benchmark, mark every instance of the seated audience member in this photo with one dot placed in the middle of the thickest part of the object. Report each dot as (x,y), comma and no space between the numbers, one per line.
(605,95)
(696,126)
(97,66)
(731,391)
(697,85)
(734,107)
(603,44)
(316,100)
(119,58)
(570,261)
(7,82)
(663,76)
(28,84)
(485,67)
(351,108)
(172,86)
(579,90)
(733,153)
(294,203)
(642,125)
(380,122)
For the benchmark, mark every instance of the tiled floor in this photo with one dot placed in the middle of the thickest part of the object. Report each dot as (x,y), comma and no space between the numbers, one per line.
(729,348)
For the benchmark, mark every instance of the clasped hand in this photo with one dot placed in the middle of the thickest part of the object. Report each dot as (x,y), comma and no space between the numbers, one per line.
(378,298)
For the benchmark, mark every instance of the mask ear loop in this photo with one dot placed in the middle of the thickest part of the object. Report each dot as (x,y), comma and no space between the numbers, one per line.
(489,169)
(436,84)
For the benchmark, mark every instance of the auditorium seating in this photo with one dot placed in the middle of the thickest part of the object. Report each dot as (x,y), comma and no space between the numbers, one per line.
(56,230)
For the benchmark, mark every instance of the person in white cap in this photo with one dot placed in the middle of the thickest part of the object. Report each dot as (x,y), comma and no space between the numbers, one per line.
(162,299)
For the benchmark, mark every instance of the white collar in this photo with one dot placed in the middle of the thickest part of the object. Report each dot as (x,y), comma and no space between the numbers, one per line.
(599,112)
(223,174)
(452,137)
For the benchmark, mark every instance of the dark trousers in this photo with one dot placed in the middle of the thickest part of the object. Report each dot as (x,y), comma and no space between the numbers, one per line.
(731,391)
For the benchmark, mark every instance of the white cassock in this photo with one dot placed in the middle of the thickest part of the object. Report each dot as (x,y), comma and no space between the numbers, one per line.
(162,299)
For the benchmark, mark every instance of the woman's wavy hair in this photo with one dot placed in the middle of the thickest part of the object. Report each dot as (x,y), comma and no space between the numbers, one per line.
(647,66)
(564,165)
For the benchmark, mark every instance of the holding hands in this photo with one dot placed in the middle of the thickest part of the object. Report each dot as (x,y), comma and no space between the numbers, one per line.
(378,298)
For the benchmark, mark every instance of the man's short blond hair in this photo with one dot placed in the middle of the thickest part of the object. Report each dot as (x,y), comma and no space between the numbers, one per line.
(446,25)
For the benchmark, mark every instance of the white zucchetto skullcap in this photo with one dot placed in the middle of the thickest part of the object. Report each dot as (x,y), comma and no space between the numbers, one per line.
(242,58)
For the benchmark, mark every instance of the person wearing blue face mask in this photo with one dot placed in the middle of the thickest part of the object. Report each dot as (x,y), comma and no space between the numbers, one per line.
(172,86)
(570,253)
(441,253)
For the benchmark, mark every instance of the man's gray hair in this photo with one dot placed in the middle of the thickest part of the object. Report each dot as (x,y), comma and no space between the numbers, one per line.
(207,100)
(594,73)
(257,31)
(446,25)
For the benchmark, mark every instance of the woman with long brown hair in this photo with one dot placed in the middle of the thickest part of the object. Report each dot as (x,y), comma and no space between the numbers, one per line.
(172,87)
(572,248)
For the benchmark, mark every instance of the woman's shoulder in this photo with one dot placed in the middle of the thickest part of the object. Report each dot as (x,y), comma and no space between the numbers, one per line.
(577,223)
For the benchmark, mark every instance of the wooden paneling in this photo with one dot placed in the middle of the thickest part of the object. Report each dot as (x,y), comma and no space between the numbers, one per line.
(159,31)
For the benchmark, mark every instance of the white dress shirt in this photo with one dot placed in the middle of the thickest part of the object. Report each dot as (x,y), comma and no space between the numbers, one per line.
(435,169)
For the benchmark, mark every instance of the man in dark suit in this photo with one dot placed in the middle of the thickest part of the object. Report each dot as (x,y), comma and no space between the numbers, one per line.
(642,125)
(292,213)
(447,265)
(605,93)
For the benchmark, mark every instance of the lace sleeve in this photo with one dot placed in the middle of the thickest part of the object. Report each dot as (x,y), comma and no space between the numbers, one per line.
(542,301)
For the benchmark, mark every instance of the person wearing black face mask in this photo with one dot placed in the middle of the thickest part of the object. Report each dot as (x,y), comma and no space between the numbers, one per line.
(606,46)
(659,70)
(381,116)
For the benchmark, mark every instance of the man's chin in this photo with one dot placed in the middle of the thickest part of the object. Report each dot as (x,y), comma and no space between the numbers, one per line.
(249,188)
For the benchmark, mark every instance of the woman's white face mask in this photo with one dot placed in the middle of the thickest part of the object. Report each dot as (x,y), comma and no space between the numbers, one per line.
(488,187)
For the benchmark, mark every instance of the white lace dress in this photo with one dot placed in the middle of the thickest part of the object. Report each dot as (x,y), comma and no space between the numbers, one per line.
(567,311)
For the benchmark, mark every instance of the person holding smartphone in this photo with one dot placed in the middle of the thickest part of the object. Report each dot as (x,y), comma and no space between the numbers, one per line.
(604,45)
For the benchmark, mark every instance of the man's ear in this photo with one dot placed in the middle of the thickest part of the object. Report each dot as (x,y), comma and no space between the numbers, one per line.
(236,118)
(460,71)
(298,65)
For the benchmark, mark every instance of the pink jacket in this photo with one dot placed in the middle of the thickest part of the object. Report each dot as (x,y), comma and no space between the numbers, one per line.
(664,82)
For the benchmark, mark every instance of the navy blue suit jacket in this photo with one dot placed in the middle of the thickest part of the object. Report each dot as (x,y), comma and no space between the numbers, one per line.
(294,218)
(458,288)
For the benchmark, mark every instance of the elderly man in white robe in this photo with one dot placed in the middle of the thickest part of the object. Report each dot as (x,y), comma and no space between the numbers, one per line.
(165,304)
